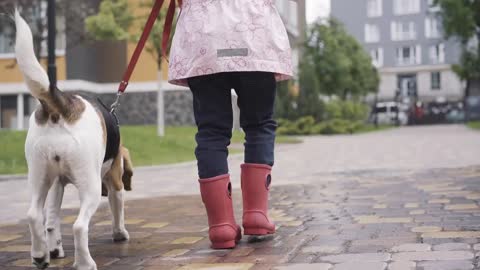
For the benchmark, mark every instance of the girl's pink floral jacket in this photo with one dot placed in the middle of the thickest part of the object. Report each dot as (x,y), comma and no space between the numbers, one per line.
(214,36)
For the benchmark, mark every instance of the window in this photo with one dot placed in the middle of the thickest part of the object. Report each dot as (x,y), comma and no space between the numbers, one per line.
(372,33)
(7,36)
(436,80)
(437,53)
(377,57)
(432,7)
(403,7)
(7,32)
(409,55)
(403,31)
(374,8)
(432,27)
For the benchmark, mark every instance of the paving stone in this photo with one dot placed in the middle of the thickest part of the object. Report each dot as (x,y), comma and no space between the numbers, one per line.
(305,266)
(361,266)
(175,252)
(327,249)
(242,251)
(412,205)
(461,206)
(439,201)
(402,265)
(382,220)
(452,234)
(217,266)
(433,256)
(16,248)
(54,263)
(6,237)
(411,247)
(156,225)
(359,257)
(446,265)
(452,246)
(417,212)
(426,229)
(476,247)
(187,240)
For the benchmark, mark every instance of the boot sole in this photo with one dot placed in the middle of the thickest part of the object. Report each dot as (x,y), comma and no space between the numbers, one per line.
(257,231)
(224,245)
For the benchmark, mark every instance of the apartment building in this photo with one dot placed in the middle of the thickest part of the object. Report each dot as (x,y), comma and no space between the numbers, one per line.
(405,41)
(96,67)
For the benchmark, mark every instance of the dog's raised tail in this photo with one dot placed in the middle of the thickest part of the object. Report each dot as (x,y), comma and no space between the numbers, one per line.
(33,73)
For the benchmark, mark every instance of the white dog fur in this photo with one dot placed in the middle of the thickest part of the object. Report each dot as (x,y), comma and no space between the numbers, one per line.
(66,144)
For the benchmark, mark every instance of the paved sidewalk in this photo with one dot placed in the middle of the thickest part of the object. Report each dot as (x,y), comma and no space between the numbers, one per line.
(383,219)
(425,147)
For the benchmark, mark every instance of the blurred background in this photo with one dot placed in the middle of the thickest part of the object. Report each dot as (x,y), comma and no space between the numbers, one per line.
(360,66)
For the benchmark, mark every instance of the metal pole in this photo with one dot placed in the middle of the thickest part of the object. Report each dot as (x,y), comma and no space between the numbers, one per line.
(52,67)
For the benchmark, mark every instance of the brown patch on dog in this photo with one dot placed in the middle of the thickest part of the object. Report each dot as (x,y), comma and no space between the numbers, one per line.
(115,172)
(121,179)
(127,168)
(66,105)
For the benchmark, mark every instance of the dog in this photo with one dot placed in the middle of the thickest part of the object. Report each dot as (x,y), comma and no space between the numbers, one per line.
(71,140)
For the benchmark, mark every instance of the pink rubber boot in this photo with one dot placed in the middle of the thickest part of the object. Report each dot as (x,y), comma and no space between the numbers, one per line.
(256,181)
(217,197)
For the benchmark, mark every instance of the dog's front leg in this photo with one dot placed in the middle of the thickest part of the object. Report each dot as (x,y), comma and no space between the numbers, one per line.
(39,184)
(54,234)
(116,201)
(90,194)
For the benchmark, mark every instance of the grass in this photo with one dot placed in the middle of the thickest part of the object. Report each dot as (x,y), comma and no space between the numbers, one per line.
(474,125)
(145,146)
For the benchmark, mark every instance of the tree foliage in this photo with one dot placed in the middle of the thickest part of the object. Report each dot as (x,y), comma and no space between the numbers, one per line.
(461,20)
(116,22)
(335,64)
(112,22)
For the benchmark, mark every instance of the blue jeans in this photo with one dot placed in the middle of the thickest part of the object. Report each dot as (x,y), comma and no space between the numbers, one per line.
(212,106)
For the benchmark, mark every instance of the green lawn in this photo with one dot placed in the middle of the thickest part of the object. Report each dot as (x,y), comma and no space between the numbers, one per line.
(145,146)
(474,125)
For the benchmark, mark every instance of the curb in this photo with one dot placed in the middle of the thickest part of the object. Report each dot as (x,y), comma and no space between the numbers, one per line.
(10,177)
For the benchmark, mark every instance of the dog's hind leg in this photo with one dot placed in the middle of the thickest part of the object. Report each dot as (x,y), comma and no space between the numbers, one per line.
(115,199)
(39,183)
(89,189)
(54,234)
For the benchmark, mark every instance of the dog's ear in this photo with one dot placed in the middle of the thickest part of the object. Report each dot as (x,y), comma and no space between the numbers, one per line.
(127,168)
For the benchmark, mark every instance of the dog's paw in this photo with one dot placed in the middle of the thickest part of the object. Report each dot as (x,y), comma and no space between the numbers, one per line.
(90,266)
(41,263)
(120,236)
(57,253)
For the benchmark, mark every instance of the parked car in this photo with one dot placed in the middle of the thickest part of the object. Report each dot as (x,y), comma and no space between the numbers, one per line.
(456,113)
(472,108)
(389,113)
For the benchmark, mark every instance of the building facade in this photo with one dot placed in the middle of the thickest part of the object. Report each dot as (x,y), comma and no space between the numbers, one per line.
(95,67)
(405,41)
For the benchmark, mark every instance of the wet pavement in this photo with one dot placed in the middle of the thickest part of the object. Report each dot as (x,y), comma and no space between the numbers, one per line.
(372,219)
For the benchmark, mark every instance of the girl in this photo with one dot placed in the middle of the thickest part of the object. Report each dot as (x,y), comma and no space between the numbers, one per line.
(221,45)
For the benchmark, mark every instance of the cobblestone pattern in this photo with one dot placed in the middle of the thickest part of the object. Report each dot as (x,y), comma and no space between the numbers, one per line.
(370,220)
(141,108)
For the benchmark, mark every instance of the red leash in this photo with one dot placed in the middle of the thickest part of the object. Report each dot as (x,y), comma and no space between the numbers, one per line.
(143,40)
